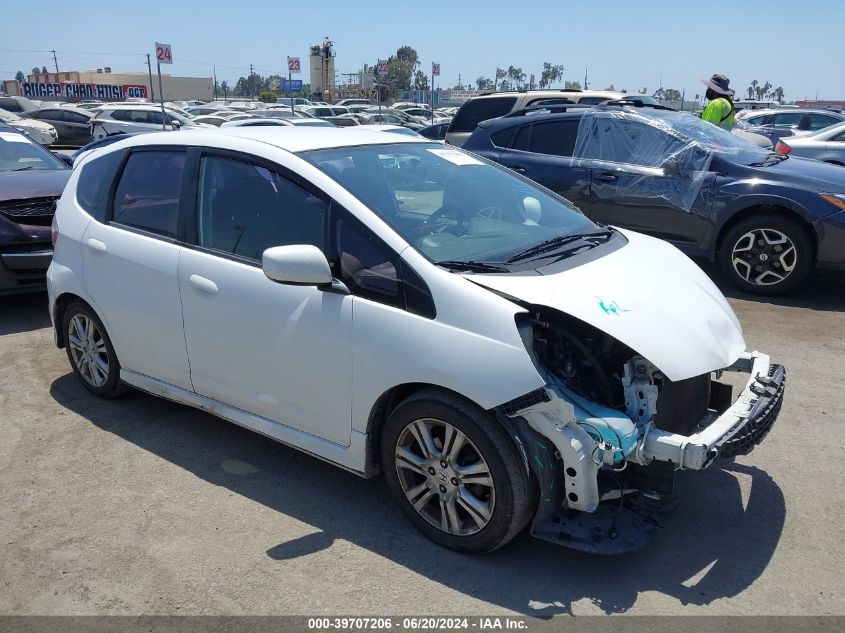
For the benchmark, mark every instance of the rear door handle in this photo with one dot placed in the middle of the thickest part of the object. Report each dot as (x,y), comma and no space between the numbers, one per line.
(96,245)
(607,177)
(203,284)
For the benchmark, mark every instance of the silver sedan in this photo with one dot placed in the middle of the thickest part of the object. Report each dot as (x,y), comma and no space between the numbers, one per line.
(827,145)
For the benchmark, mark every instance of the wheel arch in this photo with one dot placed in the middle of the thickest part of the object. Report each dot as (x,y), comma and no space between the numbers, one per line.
(59,307)
(384,407)
(752,210)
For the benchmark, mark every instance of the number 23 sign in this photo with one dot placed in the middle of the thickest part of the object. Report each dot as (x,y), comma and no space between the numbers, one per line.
(163,54)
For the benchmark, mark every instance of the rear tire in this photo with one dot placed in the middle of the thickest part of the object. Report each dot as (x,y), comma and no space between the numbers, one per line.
(90,351)
(766,254)
(456,473)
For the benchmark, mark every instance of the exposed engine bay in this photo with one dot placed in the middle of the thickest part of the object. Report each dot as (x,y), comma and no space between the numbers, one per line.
(621,429)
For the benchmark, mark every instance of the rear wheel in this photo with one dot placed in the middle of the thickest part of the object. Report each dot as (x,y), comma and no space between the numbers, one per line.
(766,254)
(456,473)
(90,351)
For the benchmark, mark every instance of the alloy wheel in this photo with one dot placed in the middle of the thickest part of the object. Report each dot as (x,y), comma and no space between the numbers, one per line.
(445,477)
(764,257)
(88,349)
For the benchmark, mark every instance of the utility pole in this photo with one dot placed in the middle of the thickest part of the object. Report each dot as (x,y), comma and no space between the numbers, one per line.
(585,80)
(250,83)
(56,62)
(215,82)
(150,71)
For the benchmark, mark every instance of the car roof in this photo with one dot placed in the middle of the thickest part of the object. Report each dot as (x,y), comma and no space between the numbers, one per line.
(289,138)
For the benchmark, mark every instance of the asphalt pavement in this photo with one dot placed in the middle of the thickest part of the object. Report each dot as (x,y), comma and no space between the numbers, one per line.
(141,506)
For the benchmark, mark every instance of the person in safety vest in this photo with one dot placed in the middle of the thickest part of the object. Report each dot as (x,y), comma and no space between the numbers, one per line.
(720,111)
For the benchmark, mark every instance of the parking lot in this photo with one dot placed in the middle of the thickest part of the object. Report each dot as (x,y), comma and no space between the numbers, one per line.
(142,506)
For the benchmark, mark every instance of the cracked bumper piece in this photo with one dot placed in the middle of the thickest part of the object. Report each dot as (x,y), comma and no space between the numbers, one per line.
(735,432)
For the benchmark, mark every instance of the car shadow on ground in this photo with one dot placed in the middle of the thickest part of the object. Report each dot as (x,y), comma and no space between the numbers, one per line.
(715,545)
(824,290)
(23,313)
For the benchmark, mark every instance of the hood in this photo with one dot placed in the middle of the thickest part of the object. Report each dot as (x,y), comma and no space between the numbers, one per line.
(39,183)
(808,174)
(647,295)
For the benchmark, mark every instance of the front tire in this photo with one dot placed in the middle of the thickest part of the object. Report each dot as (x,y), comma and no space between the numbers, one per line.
(766,254)
(90,351)
(456,473)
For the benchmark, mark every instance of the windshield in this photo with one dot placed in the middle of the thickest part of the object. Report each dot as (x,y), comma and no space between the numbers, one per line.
(17,153)
(452,206)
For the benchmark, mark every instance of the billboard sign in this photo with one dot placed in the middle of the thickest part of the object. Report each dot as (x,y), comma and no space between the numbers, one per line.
(68,90)
(294,85)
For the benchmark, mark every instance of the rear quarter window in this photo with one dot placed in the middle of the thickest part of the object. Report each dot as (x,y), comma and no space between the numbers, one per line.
(474,112)
(95,184)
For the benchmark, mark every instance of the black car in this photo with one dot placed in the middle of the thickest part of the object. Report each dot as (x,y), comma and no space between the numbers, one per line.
(766,218)
(73,125)
(31,180)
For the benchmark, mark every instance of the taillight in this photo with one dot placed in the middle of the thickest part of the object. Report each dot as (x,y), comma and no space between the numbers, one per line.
(782,148)
(54,228)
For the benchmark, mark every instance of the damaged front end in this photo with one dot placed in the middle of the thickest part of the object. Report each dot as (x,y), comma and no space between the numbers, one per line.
(609,430)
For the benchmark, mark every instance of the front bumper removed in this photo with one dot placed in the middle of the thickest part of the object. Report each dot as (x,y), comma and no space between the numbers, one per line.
(576,511)
(735,432)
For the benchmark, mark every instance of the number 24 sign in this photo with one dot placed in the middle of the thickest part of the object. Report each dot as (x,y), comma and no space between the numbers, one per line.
(163,54)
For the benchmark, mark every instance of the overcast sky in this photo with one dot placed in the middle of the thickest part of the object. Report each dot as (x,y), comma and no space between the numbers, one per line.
(631,44)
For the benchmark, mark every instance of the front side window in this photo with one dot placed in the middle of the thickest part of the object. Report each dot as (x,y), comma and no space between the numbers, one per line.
(452,206)
(245,209)
(147,196)
(786,120)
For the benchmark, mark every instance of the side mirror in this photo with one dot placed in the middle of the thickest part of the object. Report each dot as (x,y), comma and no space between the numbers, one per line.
(299,264)
(176,125)
(672,167)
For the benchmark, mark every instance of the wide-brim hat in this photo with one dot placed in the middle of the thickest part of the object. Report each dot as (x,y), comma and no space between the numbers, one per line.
(720,84)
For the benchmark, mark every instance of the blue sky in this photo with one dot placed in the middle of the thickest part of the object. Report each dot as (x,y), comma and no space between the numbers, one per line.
(794,44)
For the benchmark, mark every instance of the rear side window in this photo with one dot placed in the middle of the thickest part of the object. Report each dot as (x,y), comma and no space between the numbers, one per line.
(592,100)
(95,184)
(819,121)
(522,138)
(502,138)
(147,196)
(555,137)
(474,112)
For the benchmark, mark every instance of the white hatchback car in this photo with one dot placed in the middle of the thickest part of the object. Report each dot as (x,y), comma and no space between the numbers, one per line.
(389,304)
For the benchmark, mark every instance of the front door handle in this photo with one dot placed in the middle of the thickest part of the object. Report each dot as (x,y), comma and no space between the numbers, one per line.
(607,177)
(96,245)
(205,285)
(516,168)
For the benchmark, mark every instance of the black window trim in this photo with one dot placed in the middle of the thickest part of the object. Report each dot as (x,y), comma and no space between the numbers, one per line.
(189,221)
(119,175)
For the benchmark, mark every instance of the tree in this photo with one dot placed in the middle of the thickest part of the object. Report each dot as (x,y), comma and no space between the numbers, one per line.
(763,90)
(778,93)
(19,76)
(551,73)
(484,83)
(420,80)
(572,85)
(224,86)
(670,94)
(610,87)
(505,85)
(44,69)
(267,96)
(752,89)
(517,76)
(401,71)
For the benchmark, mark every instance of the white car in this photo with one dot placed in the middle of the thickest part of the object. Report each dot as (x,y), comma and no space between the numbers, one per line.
(116,118)
(39,131)
(389,304)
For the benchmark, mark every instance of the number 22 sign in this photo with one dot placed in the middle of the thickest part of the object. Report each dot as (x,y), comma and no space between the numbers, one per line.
(163,54)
